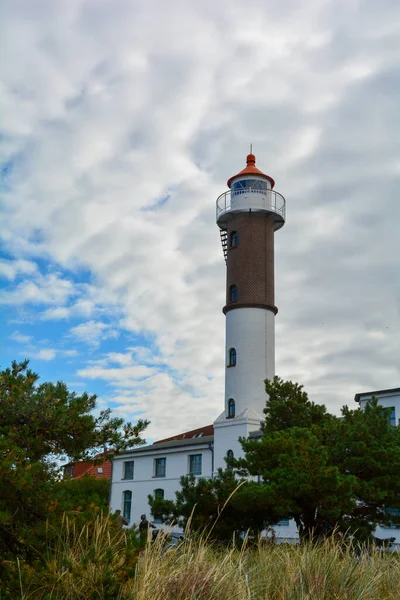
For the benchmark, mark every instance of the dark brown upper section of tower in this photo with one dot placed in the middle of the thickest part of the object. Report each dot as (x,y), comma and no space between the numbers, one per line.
(250,264)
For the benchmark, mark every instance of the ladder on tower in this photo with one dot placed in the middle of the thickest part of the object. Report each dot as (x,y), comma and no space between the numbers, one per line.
(224,241)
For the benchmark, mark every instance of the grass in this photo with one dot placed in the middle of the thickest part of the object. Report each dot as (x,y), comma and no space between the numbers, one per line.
(101,561)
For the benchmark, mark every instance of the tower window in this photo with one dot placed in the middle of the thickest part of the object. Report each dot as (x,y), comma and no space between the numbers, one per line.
(229,454)
(231,408)
(232,357)
(127,505)
(234,239)
(233,293)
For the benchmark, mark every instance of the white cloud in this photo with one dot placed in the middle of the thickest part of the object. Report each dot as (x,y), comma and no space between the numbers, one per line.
(45,354)
(10,269)
(16,336)
(42,289)
(92,332)
(110,107)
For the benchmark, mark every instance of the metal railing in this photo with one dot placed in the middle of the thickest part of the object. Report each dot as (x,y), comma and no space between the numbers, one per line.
(273,201)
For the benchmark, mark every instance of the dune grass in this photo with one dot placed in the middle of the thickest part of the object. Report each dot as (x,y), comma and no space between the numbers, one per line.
(100,561)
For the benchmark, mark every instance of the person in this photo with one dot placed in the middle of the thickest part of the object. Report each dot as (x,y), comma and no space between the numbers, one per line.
(121,520)
(144,527)
(145,524)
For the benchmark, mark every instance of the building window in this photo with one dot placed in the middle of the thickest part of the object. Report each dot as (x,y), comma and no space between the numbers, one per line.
(127,505)
(229,454)
(392,415)
(100,470)
(233,293)
(159,467)
(232,357)
(128,470)
(69,470)
(231,408)
(158,495)
(195,464)
(234,239)
(392,512)
(283,522)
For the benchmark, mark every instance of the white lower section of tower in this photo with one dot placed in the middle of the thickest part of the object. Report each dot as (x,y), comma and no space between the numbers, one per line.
(251,332)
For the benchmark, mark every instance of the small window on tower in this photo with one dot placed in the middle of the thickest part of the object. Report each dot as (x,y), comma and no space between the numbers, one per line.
(231,408)
(234,239)
(232,357)
(229,454)
(233,293)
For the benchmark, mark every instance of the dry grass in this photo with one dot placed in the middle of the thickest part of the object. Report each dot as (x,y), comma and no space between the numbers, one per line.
(96,561)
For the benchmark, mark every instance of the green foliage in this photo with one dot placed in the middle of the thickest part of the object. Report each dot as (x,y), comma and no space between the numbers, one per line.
(103,561)
(85,493)
(222,506)
(365,445)
(40,422)
(80,560)
(288,406)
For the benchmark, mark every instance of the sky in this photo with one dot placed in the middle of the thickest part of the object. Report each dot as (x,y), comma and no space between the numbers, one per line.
(120,122)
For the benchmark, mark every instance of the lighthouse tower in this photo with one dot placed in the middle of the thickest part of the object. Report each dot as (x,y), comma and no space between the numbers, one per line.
(248,214)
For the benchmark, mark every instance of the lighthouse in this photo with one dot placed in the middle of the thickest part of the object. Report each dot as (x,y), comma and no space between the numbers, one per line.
(248,214)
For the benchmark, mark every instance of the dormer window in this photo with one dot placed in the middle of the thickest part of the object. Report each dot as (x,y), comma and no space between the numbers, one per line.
(234,239)
(233,293)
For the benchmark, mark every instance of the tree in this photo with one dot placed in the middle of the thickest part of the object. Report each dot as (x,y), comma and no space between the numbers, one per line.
(289,406)
(325,472)
(84,494)
(40,422)
(221,507)
(296,471)
(366,446)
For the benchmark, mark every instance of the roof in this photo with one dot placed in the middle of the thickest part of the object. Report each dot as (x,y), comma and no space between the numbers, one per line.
(376,393)
(193,433)
(255,435)
(251,169)
(207,439)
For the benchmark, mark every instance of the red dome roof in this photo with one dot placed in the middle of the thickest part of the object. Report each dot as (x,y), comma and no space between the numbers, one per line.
(251,169)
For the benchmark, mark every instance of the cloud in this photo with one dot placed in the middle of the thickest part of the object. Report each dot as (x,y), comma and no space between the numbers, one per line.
(45,354)
(123,121)
(10,269)
(20,338)
(92,331)
(43,289)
